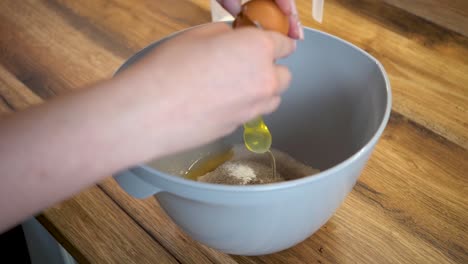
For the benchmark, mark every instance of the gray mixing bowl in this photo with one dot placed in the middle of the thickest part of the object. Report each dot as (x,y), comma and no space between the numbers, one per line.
(331,118)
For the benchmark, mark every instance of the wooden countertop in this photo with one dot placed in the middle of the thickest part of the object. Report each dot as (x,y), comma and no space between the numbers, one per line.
(411,202)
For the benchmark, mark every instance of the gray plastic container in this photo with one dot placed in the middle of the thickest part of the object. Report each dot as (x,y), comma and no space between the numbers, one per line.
(331,118)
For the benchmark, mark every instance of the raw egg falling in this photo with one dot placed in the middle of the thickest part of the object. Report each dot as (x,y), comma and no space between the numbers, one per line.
(266,15)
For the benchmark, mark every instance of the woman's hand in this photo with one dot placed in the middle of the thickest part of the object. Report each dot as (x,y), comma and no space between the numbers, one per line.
(190,90)
(206,82)
(287,6)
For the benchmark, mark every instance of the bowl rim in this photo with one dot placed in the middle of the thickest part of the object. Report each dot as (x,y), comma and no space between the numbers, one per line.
(367,147)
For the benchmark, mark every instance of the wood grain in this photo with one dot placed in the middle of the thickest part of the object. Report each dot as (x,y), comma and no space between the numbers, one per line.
(48,55)
(427,64)
(14,95)
(410,205)
(151,217)
(154,19)
(451,14)
(102,233)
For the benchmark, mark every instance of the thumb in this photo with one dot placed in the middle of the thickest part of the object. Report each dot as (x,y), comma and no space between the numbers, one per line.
(232,6)
(283,46)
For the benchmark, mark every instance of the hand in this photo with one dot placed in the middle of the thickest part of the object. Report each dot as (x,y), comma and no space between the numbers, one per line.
(288,6)
(190,90)
(206,82)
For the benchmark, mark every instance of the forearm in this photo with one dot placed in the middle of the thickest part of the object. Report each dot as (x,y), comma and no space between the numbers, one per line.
(50,152)
(176,98)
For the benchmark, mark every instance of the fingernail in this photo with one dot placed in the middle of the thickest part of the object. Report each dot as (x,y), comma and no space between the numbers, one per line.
(233,7)
(293,7)
(301,30)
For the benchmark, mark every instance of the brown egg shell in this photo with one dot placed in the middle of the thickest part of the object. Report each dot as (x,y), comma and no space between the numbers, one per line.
(242,21)
(267,14)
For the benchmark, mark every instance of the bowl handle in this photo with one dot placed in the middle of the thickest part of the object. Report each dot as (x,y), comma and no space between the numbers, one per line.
(134,185)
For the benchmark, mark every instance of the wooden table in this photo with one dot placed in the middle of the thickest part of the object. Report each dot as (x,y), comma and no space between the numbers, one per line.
(411,202)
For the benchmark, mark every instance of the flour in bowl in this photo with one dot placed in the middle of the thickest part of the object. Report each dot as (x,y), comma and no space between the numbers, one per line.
(246,168)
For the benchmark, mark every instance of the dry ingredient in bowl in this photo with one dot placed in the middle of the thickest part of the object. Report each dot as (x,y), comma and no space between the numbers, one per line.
(241,173)
(246,168)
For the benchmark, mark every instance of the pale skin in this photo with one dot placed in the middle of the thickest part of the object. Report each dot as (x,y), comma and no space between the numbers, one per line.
(160,106)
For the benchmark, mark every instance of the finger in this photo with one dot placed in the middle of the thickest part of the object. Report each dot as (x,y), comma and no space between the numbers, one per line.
(270,105)
(283,46)
(210,29)
(232,6)
(284,78)
(295,28)
(289,8)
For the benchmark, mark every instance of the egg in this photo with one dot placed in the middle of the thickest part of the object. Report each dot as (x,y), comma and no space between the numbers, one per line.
(264,12)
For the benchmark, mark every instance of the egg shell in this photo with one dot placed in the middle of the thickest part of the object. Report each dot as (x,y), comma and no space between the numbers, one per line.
(242,21)
(267,14)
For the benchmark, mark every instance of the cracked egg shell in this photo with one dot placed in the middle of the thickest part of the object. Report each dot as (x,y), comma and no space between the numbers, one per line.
(266,13)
